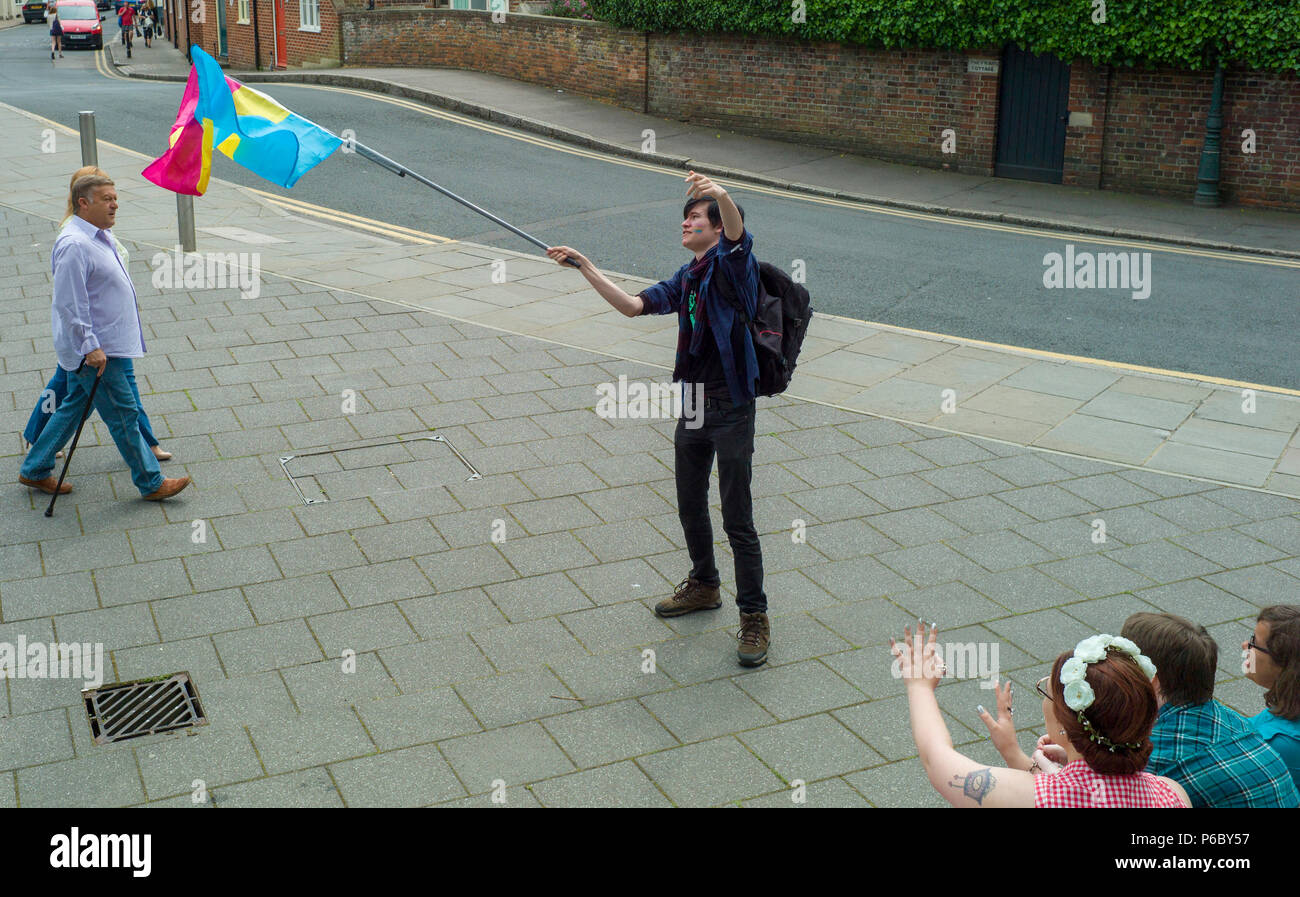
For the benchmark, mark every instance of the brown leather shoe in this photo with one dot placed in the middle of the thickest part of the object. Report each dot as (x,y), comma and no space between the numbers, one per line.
(46,485)
(169,487)
(691,595)
(752,640)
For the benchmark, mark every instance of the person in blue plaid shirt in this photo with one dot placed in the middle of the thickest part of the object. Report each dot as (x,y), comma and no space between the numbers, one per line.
(1211,750)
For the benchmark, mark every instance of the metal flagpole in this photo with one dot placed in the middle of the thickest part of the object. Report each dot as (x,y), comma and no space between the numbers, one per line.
(402,171)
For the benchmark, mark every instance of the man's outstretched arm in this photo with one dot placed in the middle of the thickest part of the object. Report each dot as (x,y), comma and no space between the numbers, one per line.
(622,301)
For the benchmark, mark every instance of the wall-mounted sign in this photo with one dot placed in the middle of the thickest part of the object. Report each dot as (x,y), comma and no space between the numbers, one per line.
(982,66)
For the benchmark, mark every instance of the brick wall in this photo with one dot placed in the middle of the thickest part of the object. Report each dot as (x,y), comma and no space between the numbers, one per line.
(1145,133)
(302,48)
(1155,127)
(887,104)
(583,57)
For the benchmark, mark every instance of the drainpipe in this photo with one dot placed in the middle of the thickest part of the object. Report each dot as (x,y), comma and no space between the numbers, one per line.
(257,41)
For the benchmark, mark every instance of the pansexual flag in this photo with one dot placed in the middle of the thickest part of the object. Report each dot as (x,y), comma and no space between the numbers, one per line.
(247,125)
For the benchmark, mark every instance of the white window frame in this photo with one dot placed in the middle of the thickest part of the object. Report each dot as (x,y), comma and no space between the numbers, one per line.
(309,15)
(244,13)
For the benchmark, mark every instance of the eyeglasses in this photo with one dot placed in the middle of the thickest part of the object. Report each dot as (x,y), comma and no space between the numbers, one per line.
(1251,644)
(1038,686)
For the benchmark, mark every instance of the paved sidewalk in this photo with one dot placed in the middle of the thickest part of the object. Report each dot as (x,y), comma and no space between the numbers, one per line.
(591,123)
(501,625)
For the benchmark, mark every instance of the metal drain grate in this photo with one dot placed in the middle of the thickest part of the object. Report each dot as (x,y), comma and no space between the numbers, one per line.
(374,468)
(144,707)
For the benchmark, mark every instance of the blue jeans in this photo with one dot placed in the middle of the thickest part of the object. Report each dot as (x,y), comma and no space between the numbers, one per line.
(119,408)
(58,388)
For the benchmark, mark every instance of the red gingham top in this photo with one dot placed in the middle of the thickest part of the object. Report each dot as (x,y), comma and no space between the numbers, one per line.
(1078,786)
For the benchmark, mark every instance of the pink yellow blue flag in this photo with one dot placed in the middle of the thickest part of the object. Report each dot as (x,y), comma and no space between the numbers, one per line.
(244,124)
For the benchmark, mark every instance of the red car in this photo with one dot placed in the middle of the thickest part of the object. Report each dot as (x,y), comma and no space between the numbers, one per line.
(81,24)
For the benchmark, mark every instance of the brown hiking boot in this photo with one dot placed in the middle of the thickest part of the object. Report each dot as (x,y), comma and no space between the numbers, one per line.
(169,487)
(691,595)
(754,636)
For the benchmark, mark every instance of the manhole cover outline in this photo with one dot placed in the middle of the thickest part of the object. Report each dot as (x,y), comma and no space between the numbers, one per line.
(286,459)
(126,710)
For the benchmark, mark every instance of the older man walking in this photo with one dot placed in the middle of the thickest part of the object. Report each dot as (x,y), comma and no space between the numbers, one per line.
(96,321)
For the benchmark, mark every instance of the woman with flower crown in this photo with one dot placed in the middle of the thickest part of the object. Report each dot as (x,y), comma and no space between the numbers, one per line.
(1099,707)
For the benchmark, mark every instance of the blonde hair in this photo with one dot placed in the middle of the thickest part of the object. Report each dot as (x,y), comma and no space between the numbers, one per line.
(84,171)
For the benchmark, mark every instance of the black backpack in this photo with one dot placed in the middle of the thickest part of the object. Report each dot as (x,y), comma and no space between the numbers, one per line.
(778,326)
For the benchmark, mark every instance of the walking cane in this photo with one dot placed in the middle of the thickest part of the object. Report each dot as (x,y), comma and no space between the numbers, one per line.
(90,404)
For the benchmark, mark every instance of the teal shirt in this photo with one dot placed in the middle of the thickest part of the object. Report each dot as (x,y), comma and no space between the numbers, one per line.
(1283,736)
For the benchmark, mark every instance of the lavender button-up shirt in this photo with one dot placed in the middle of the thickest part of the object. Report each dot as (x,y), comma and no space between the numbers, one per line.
(94,300)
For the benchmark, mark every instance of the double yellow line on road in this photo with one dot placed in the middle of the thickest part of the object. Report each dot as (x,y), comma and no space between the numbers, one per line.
(748,187)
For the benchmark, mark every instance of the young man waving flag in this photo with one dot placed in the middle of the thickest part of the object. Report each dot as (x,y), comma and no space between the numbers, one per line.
(715,350)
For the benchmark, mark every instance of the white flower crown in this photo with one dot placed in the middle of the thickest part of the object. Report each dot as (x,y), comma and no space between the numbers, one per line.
(1074,676)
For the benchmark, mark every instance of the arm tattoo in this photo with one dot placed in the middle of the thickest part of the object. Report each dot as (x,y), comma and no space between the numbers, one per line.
(975,785)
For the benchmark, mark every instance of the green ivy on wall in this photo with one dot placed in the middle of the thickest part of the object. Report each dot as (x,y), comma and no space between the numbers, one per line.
(1259,35)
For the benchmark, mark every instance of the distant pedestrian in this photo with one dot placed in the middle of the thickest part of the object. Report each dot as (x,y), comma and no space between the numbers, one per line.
(96,324)
(126,16)
(56,30)
(715,357)
(57,389)
(149,20)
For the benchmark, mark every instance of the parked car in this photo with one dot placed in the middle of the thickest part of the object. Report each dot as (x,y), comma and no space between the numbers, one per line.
(34,12)
(81,24)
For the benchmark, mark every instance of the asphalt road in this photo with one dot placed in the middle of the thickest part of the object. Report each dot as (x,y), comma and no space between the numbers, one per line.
(1207,316)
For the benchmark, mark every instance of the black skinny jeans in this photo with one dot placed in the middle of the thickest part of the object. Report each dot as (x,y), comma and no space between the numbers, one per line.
(728,432)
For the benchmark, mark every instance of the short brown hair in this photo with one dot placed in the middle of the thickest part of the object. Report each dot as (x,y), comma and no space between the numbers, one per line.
(1185,655)
(84,186)
(76,176)
(1284,648)
(1124,710)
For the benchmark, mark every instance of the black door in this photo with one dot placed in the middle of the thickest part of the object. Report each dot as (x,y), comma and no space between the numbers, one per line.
(1032,115)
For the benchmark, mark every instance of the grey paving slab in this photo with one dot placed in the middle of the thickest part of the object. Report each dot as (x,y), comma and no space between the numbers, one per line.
(37,597)
(214,757)
(809,749)
(869,622)
(417,776)
(1197,600)
(703,711)
(527,644)
(117,627)
(416,719)
(1094,576)
(93,781)
(616,785)
(537,596)
(269,647)
(516,697)
(424,665)
(308,788)
(339,682)
(709,773)
(197,656)
(515,755)
(601,735)
(834,792)
(312,738)
(34,738)
(1163,561)
(246,699)
(602,678)
(798,689)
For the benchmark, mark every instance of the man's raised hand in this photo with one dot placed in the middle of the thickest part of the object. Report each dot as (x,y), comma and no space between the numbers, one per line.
(701,187)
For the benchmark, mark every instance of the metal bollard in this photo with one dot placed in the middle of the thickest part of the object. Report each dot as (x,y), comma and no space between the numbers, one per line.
(89,147)
(185,220)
